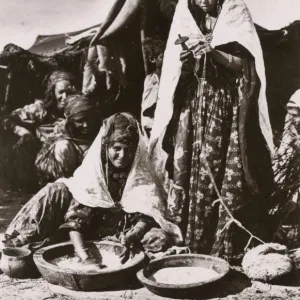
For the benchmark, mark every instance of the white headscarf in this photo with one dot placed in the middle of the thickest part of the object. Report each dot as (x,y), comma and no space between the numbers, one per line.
(143,192)
(234,24)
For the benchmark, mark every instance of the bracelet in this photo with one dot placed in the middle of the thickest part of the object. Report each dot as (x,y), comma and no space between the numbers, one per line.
(230,59)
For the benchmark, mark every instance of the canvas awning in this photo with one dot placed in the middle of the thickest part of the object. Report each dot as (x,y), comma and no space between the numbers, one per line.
(269,14)
(49,44)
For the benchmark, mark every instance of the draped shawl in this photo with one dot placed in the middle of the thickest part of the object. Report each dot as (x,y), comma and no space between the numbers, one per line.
(234,24)
(143,192)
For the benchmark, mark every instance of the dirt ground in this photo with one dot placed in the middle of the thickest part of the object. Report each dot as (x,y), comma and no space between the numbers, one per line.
(235,286)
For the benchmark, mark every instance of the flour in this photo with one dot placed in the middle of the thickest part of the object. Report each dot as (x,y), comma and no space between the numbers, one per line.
(183,275)
(109,261)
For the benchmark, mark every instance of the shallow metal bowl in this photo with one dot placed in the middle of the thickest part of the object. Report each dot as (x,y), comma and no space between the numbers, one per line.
(185,260)
(79,280)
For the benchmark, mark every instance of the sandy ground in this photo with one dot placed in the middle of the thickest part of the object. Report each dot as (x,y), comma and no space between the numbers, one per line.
(235,286)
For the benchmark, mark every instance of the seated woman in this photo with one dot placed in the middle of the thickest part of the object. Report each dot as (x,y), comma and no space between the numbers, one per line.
(113,193)
(35,123)
(39,118)
(61,155)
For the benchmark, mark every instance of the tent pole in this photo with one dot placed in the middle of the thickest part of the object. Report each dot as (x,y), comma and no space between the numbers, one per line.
(7,92)
(143,35)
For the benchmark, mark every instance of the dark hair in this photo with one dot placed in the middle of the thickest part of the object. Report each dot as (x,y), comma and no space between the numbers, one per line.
(121,128)
(153,47)
(79,106)
(50,82)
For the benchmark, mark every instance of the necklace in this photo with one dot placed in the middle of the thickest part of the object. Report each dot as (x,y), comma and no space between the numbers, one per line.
(210,22)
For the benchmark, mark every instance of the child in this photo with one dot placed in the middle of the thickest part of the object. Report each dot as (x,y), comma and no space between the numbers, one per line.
(154,49)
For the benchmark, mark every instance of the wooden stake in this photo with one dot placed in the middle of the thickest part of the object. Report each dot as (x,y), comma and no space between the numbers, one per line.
(143,35)
(7,92)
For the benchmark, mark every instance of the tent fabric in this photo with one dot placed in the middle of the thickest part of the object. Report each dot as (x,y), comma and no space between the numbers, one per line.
(57,43)
(53,44)
(278,14)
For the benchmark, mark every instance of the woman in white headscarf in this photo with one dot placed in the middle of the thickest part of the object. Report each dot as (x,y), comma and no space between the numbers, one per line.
(113,193)
(212,120)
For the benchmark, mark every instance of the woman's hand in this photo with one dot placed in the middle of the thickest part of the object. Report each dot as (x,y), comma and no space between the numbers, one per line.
(91,261)
(202,48)
(187,59)
(134,235)
(186,56)
(156,240)
(79,247)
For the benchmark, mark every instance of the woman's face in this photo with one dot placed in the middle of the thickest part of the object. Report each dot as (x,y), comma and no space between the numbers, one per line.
(62,90)
(82,126)
(121,155)
(207,6)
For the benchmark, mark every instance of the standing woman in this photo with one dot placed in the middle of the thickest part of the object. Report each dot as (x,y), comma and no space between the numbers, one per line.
(212,120)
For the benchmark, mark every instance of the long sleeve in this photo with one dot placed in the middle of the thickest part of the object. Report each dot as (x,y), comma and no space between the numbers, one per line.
(78,217)
(140,225)
(104,222)
(59,159)
(28,117)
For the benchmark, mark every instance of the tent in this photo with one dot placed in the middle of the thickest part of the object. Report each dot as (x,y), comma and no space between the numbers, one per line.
(50,44)
(123,25)
(269,14)
(126,25)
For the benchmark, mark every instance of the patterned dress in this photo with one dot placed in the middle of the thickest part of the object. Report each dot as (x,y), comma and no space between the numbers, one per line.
(206,133)
(60,158)
(109,222)
(38,222)
(44,126)
(54,153)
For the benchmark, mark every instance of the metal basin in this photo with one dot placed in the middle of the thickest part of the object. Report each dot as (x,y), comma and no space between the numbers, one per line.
(78,279)
(191,290)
